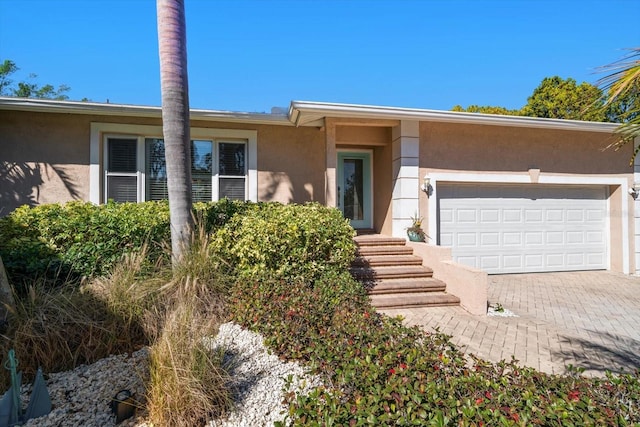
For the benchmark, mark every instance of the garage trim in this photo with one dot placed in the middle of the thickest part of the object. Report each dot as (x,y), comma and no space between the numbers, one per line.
(495,178)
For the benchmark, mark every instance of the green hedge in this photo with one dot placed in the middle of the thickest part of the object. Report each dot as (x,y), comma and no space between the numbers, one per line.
(294,242)
(79,239)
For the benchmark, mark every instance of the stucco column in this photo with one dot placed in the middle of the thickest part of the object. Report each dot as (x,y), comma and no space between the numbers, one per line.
(406,182)
(331,161)
(636,206)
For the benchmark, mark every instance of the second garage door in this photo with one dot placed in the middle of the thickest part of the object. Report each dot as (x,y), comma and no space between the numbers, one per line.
(530,228)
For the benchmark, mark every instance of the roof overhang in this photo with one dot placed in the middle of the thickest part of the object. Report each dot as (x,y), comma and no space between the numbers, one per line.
(304,113)
(93,108)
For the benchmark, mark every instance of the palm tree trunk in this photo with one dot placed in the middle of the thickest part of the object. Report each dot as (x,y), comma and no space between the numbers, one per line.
(172,42)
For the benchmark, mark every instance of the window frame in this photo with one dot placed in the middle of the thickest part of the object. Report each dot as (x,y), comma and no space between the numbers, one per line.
(218,176)
(101,132)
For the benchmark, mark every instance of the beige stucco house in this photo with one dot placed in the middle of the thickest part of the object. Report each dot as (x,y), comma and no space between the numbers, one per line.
(506,194)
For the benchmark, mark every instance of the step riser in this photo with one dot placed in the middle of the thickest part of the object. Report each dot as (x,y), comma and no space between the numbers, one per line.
(384,251)
(390,289)
(372,262)
(375,291)
(383,276)
(369,243)
(415,300)
(400,306)
(379,241)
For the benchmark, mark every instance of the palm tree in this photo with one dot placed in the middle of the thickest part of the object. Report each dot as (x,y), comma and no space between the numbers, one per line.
(172,42)
(622,87)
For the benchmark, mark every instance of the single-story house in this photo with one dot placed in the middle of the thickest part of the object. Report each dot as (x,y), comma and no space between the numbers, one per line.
(508,194)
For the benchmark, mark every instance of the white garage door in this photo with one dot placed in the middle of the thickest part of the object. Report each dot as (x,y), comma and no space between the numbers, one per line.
(518,229)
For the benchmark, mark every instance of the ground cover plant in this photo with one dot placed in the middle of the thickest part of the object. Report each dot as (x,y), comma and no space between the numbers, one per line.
(379,372)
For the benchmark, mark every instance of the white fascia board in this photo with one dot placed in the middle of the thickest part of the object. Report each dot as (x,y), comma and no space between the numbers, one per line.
(75,107)
(302,112)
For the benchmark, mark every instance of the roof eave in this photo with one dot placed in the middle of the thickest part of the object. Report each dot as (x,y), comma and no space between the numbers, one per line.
(92,108)
(306,112)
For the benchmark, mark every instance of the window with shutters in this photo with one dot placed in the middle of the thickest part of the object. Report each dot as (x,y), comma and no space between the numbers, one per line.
(122,170)
(201,170)
(232,171)
(135,169)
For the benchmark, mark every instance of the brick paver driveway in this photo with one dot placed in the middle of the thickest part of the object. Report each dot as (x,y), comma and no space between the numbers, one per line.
(587,319)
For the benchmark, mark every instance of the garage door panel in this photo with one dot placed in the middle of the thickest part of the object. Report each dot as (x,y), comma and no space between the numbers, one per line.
(490,239)
(446,216)
(594,215)
(489,262)
(555,261)
(446,239)
(490,215)
(532,261)
(596,237)
(533,238)
(554,216)
(595,259)
(466,215)
(555,238)
(512,216)
(512,239)
(575,215)
(575,237)
(466,240)
(533,216)
(514,228)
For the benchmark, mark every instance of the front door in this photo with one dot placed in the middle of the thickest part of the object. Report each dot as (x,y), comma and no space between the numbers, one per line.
(354,187)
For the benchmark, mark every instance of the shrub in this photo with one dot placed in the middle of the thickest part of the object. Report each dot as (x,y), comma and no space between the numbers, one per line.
(293,242)
(63,243)
(380,372)
(78,239)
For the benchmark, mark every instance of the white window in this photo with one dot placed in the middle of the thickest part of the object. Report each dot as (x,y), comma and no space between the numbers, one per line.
(122,169)
(132,166)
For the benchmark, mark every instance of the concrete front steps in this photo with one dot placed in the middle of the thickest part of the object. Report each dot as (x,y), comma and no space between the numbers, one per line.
(394,277)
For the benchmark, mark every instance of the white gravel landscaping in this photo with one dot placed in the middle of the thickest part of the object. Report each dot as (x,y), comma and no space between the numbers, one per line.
(82,397)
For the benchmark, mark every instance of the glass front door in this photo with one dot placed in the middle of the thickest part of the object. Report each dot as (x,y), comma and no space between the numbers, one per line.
(354,188)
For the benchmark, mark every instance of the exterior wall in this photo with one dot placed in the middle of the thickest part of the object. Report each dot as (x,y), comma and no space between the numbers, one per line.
(509,149)
(363,135)
(291,164)
(44,158)
(382,180)
(521,155)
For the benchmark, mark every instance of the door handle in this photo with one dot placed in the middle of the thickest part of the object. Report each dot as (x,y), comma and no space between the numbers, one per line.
(339,198)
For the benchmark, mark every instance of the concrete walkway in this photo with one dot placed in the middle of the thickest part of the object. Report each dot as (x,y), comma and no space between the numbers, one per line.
(587,319)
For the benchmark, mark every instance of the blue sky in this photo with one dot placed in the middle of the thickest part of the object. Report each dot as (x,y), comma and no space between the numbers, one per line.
(252,55)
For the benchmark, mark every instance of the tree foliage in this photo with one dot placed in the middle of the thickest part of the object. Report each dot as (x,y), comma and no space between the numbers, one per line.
(622,88)
(557,98)
(487,109)
(28,89)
